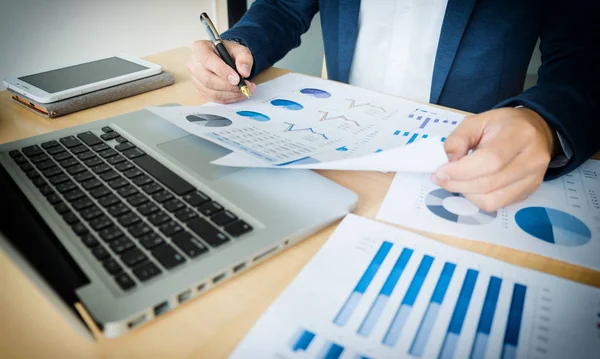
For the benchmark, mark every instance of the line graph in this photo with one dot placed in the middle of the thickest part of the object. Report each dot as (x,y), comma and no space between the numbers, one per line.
(326,117)
(368,104)
(292,128)
(427,117)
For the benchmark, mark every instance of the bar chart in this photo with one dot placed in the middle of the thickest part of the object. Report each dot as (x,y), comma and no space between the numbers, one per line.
(375,291)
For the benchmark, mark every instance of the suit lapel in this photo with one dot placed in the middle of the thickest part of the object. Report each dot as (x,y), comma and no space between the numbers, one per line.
(347,33)
(455,22)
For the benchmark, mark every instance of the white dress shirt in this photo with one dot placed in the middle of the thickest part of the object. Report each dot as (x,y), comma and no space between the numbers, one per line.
(396,46)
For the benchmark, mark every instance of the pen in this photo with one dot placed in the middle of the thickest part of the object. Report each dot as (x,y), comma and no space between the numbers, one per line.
(216,40)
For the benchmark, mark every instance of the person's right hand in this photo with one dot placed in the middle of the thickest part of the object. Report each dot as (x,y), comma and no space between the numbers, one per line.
(213,77)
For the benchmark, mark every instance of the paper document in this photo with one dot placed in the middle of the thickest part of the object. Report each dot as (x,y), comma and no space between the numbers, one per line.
(561,220)
(298,121)
(375,291)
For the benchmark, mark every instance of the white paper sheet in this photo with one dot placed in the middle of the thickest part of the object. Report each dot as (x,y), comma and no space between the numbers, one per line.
(561,220)
(298,121)
(374,291)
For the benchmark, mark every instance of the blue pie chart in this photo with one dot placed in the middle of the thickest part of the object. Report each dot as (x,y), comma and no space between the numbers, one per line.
(256,116)
(553,226)
(315,93)
(290,105)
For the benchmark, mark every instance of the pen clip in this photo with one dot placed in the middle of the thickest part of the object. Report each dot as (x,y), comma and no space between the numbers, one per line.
(210,28)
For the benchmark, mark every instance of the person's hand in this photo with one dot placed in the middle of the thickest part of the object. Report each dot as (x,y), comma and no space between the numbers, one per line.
(511,152)
(213,77)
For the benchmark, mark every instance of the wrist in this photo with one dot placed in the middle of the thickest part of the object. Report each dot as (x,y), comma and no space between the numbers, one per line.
(549,134)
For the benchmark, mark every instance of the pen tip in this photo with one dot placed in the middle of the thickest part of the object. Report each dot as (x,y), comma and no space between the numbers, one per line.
(245,91)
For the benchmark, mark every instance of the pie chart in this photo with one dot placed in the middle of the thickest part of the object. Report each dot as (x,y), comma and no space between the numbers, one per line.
(290,105)
(455,208)
(209,120)
(315,93)
(553,226)
(256,116)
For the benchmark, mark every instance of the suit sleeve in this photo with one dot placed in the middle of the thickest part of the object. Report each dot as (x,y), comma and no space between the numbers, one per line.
(271,28)
(567,94)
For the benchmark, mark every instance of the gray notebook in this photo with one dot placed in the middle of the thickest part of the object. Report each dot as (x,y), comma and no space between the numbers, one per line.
(95,98)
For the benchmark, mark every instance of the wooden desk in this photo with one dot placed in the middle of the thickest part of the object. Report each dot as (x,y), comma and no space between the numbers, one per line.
(213,324)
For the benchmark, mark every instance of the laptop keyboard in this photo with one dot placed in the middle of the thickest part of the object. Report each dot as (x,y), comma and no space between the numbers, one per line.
(136,216)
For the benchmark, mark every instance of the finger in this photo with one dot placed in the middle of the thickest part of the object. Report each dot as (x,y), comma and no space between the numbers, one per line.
(217,96)
(520,167)
(243,58)
(490,156)
(507,195)
(213,63)
(210,80)
(464,137)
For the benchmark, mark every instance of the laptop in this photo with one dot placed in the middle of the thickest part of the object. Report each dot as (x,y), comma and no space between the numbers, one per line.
(128,217)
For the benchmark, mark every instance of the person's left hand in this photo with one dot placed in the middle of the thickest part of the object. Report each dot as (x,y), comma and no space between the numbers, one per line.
(512,148)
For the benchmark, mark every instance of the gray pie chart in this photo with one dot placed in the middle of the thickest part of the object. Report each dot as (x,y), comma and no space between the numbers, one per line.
(209,120)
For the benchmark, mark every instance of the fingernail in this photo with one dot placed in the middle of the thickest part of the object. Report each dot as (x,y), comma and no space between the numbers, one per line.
(245,70)
(442,176)
(233,79)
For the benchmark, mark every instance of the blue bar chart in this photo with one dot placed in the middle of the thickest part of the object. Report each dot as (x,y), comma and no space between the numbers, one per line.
(513,326)
(485,320)
(362,285)
(393,332)
(301,340)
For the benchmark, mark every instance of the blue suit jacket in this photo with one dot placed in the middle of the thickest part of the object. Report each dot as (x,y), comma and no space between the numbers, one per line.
(484,50)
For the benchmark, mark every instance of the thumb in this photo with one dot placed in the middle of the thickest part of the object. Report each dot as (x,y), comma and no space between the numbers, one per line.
(243,58)
(465,137)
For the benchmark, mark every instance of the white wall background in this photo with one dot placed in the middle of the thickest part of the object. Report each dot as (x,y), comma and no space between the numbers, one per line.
(38,35)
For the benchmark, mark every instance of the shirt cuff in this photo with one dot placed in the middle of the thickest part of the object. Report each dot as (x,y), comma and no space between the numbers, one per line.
(564,156)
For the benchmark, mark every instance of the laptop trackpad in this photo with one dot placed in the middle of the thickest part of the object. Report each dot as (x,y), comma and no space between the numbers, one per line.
(196,153)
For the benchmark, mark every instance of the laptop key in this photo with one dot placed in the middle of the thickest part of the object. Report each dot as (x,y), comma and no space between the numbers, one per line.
(152,188)
(49,144)
(146,270)
(121,167)
(32,151)
(108,200)
(39,158)
(100,147)
(151,240)
(91,184)
(167,256)
(173,205)
(121,245)
(82,203)
(107,153)
(189,245)
(141,180)
(80,229)
(71,161)
(78,168)
(54,199)
(186,214)
(134,172)
(162,196)
(127,191)
(121,139)
(222,218)
(46,190)
(124,281)
(100,252)
(61,207)
(124,146)
(47,164)
(129,219)
(91,213)
(147,208)
(79,149)
(101,168)
(53,151)
(53,171)
(70,217)
(66,186)
(164,175)
(58,179)
(109,176)
(39,182)
(70,141)
(170,229)
(158,218)
(26,167)
(118,183)
(196,199)
(86,155)
(118,209)
(207,232)
(20,159)
(89,138)
(137,199)
(73,195)
(92,162)
(139,230)
(110,233)
(114,160)
(62,156)
(14,153)
(106,136)
(210,208)
(112,266)
(32,174)
(134,153)
(100,223)
(107,129)
(133,257)
(100,192)
(238,228)
(83,176)
(89,240)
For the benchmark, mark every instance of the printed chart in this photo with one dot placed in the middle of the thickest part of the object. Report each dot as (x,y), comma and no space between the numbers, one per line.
(375,291)
(561,220)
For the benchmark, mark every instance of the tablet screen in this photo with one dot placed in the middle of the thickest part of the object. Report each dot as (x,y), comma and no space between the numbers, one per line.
(82,74)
